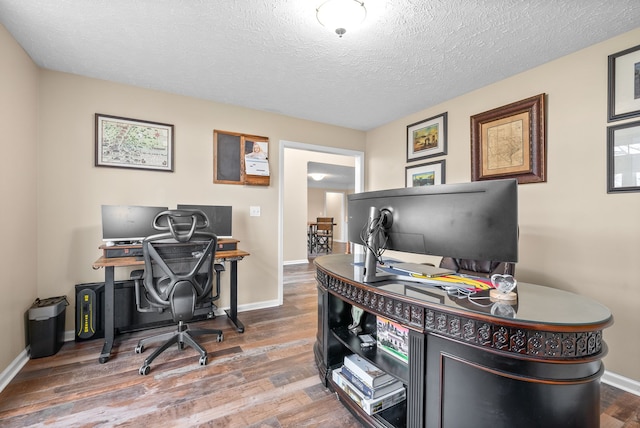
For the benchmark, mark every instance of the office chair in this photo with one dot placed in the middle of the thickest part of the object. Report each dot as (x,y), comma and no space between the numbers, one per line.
(477,267)
(178,273)
(323,234)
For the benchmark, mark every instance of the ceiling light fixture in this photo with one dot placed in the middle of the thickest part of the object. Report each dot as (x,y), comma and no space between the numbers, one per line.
(317,176)
(338,15)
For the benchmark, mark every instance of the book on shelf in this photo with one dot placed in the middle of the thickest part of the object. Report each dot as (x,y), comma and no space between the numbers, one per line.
(371,406)
(365,371)
(392,338)
(368,391)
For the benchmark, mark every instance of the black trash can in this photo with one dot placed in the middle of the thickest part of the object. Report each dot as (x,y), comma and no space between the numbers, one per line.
(46,326)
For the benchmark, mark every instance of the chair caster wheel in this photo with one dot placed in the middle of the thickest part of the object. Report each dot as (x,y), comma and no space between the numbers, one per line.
(139,349)
(144,370)
(181,345)
(220,337)
(203,360)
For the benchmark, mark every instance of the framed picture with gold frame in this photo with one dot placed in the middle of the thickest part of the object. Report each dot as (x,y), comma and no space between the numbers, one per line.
(510,142)
(427,138)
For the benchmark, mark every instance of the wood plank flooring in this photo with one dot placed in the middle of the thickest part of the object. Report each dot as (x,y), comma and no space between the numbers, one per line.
(265,377)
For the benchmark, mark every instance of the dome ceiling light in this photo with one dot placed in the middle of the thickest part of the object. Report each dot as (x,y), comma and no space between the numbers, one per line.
(340,15)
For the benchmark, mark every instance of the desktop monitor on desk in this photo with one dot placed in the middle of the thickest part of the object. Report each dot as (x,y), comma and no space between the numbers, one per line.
(219,218)
(477,220)
(128,223)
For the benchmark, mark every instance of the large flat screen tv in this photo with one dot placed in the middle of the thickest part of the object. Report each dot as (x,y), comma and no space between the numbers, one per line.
(477,220)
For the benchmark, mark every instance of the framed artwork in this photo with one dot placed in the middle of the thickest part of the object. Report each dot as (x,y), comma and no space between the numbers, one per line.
(624,84)
(133,143)
(623,158)
(426,174)
(427,138)
(510,142)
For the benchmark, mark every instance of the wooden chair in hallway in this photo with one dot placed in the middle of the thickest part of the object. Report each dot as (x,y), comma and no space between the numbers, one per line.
(323,235)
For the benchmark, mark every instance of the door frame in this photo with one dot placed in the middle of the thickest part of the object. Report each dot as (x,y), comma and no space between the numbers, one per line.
(359,187)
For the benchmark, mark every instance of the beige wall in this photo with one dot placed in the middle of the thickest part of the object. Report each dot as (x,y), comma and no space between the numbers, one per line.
(18,192)
(72,188)
(573,235)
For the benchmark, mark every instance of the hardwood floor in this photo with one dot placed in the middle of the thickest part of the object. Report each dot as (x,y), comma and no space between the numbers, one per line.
(265,377)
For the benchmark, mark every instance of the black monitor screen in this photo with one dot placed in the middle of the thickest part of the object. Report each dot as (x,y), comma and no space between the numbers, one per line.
(128,223)
(476,220)
(219,218)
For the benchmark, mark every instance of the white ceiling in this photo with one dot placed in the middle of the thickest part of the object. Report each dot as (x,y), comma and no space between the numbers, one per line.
(337,177)
(273,55)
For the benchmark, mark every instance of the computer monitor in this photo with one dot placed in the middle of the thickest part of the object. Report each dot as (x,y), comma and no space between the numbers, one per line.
(128,223)
(219,218)
(477,220)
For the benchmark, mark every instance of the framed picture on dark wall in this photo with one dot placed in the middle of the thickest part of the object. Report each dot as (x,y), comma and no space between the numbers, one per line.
(623,158)
(510,142)
(624,84)
(427,138)
(426,174)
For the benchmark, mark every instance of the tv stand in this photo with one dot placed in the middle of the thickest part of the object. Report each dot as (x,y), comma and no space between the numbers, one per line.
(539,366)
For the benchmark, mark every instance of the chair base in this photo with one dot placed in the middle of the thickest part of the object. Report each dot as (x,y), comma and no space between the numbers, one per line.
(182,336)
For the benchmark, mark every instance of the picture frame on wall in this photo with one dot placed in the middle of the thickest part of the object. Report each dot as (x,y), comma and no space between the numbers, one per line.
(427,138)
(135,144)
(624,84)
(623,151)
(510,142)
(426,174)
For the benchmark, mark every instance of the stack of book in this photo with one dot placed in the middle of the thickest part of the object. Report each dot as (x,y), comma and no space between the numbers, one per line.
(371,388)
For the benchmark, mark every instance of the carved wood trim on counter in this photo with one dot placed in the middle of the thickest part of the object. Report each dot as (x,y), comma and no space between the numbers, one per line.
(480,331)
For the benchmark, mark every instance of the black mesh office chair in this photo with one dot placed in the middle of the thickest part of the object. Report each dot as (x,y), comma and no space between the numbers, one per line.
(477,267)
(178,273)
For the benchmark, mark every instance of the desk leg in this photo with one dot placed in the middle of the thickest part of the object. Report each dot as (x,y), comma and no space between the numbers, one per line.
(232,312)
(109,329)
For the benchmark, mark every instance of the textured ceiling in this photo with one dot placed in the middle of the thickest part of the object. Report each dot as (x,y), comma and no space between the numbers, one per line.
(273,55)
(336,176)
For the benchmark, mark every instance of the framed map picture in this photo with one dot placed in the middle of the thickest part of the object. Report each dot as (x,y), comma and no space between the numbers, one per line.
(426,174)
(509,142)
(427,138)
(132,143)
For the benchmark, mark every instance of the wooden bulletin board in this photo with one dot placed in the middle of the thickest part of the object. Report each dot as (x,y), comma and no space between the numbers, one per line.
(240,158)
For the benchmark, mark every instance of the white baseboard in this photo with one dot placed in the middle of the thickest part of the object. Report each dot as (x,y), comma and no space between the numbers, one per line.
(621,382)
(296,262)
(14,368)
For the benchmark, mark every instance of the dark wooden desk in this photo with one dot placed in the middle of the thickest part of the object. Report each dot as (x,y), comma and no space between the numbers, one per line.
(110,263)
(536,363)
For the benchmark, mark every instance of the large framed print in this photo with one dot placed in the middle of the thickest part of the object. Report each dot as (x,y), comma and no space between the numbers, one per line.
(624,84)
(131,143)
(623,158)
(510,142)
(426,174)
(427,138)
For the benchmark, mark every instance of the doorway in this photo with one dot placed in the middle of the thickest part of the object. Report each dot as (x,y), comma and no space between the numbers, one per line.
(292,194)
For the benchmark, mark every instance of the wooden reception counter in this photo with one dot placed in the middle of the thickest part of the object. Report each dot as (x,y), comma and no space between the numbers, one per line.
(471,363)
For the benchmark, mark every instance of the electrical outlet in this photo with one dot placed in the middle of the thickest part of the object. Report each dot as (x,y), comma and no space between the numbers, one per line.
(254,211)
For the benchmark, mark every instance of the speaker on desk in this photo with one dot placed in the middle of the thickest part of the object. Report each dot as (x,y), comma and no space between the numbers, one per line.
(90,311)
